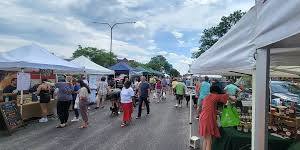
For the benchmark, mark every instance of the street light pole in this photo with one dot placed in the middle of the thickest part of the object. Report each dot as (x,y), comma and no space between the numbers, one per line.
(111,34)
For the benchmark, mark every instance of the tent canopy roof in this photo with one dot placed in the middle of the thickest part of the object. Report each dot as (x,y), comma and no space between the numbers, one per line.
(121,66)
(140,68)
(90,67)
(235,51)
(34,57)
(283,30)
(237,44)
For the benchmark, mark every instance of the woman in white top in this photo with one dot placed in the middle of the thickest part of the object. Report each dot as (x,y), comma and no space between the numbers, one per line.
(83,95)
(126,100)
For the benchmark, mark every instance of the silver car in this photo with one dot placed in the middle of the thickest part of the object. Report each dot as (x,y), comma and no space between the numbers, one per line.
(286,91)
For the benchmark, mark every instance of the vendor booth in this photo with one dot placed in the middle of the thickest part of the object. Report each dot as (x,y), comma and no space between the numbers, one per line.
(121,68)
(29,64)
(90,67)
(144,71)
(93,72)
(264,43)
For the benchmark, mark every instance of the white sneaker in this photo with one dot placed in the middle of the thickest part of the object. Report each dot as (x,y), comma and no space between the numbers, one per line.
(180,106)
(75,119)
(43,120)
(176,105)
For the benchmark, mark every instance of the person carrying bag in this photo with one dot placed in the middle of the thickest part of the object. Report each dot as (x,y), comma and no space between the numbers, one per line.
(230,116)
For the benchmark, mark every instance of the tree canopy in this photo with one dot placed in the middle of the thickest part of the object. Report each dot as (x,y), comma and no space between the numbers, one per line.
(99,56)
(102,57)
(211,35)
(174,73)
(160,63)
(136,64)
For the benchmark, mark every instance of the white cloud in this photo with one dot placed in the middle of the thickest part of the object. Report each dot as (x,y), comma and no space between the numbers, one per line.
(200,2)
(177,34)
(194,49)
(164,53)
(181,43)
(131,3)
(140,24)
(196,14)
(179,62)
(152,47)
(60,25)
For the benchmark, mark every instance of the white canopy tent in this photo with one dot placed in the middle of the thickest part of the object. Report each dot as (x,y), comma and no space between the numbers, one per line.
(235,53)
(91,67)
(277,43)
(34,57)
(278,24)
(266,38)
(94,72)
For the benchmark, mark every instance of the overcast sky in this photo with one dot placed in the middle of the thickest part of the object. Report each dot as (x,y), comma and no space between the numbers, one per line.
(168,27)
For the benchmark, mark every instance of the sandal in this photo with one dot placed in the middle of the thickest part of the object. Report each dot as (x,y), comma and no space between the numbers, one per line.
(82,127)
(123,124)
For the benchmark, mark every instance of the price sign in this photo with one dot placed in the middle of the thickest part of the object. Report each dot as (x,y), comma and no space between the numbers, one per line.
(23,81)
(11,115)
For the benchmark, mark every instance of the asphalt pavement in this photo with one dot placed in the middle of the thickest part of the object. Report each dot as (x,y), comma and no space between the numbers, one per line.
(166,128)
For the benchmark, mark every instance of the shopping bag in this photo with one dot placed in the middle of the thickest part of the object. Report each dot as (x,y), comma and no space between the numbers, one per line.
(164,95)
(230,116)
(154,95)
(76,104)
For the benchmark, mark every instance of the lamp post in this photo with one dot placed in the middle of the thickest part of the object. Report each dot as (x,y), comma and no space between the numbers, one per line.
(112,26)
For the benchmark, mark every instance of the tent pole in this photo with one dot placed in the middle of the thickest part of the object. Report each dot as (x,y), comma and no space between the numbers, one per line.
(191,109)
(115,83)
(261,103)
(22,94)
(253,106)
(56,78)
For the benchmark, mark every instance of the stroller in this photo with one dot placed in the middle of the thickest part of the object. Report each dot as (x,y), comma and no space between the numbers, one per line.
(114,110)
(114,97)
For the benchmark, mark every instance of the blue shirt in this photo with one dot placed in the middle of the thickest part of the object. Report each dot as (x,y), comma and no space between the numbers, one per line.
(64,91)
(144,87)
(231,89)
(204,91)
(76,88)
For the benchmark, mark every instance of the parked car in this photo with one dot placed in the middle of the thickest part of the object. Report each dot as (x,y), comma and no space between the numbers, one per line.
(286,91)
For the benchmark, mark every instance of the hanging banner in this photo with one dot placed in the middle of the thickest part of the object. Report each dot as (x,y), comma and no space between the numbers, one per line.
(93,81)
(23,81)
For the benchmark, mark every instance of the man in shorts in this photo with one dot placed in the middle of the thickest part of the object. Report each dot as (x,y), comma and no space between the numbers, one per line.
(164,87)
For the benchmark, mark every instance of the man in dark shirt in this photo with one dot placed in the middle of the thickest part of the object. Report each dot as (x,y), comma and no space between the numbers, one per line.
(144,92)
(10,91)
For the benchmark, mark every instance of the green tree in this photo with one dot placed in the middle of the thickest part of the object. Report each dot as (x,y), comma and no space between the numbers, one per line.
(99,56)
(174,73)
(211,35)
(159,63)
(135,64)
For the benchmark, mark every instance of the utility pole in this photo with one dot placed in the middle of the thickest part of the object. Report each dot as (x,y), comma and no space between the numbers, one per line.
(112,26)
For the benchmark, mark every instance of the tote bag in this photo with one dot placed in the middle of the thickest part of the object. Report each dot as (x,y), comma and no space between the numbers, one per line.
(230,116)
